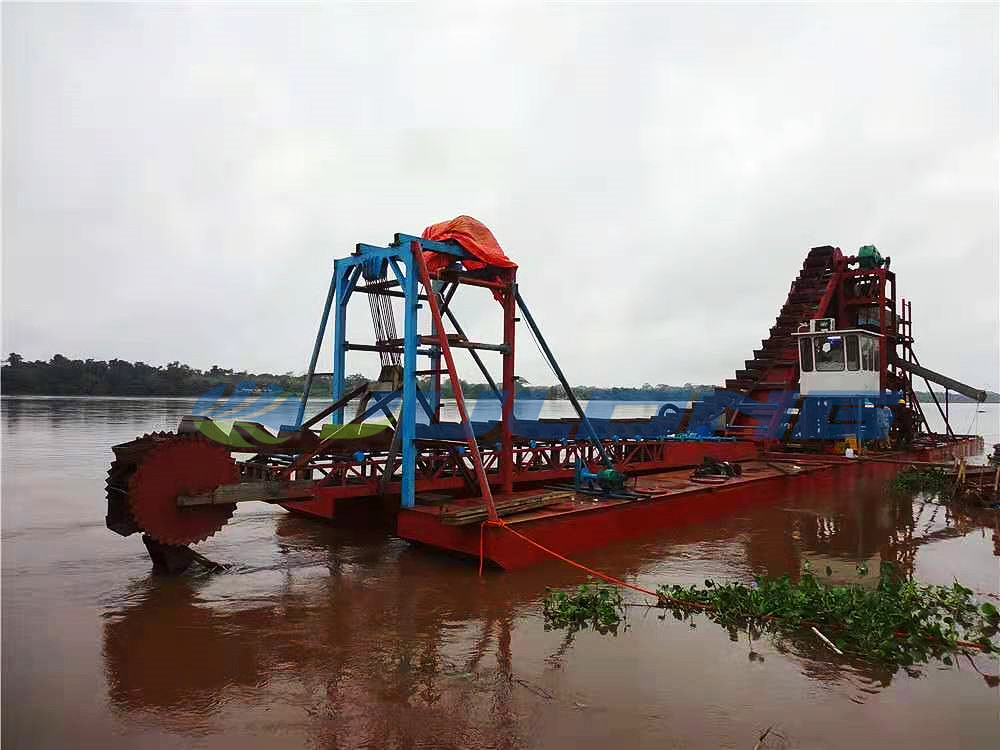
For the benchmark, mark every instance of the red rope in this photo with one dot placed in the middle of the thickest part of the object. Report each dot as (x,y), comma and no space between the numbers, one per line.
(482,546)
(596,573)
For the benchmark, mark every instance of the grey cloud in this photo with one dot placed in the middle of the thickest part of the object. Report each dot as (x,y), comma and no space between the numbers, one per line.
(178,179)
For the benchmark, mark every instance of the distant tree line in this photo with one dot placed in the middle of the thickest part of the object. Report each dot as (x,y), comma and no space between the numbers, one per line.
(525,391)
(61,376)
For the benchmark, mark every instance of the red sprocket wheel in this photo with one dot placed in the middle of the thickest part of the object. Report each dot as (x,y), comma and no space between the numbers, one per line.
(188,465)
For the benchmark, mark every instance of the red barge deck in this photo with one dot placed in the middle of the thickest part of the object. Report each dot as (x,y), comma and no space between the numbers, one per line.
(576,522)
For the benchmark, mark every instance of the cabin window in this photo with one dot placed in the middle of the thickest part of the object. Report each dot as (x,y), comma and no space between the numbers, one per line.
(853,354)
(829,353)
(806,354)
(866,353)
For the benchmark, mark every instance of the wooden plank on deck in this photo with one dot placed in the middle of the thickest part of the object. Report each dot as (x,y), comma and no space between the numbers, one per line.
(478,514)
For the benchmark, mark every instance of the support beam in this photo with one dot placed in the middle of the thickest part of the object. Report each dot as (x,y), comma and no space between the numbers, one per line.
(507,403)
(456,385)
(310,374)
(598,443)
(446,298)
(334,406)
(934,398)
(390,463)
(387,293)
(467,345)
(346,278)
(408,412)
(246,492)
(383,348)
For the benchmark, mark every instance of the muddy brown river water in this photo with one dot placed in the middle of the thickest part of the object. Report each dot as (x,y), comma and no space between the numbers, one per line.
(323,637)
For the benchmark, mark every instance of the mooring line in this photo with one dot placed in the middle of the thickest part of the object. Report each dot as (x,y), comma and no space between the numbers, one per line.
(596,573)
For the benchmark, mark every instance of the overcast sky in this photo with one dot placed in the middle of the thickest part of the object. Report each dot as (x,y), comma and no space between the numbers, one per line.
(177,180)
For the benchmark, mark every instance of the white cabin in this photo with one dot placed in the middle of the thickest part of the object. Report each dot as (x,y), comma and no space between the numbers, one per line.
(837,361)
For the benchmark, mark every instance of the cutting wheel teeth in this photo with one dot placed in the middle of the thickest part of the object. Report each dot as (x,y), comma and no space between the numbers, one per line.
(168,466)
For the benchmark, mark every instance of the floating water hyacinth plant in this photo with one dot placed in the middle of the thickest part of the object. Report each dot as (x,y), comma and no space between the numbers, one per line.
(596,607)
(932,481)
(896,622)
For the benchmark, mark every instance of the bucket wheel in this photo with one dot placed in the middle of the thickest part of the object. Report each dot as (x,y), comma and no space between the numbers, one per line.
(149,474)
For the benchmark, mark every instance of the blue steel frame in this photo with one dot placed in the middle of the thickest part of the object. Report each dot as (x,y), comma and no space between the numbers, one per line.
(346,274)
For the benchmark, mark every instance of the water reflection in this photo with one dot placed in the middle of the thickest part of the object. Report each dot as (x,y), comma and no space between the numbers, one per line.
(93,414)
(170,653)
(375,658)
(366,627)
(347,638)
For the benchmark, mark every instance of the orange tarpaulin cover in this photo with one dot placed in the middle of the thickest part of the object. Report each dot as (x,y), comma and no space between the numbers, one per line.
(474,238)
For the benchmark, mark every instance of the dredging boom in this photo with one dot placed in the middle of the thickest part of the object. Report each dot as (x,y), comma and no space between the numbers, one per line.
(944,381)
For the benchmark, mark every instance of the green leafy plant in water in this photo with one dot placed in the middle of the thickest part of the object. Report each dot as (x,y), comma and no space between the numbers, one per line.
(594,606)
(932,481)
(897,622)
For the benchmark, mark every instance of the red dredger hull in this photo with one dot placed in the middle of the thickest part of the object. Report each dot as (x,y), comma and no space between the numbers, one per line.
(581,523)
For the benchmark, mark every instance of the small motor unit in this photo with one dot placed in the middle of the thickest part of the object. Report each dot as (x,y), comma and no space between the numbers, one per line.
(606,480)
(870,258)
(818,325)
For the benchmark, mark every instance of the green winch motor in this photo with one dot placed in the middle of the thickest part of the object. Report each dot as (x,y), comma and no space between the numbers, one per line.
(870,258)
(607,480)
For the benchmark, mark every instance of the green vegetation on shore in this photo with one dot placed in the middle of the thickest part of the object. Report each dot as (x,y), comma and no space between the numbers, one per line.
(61,376)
